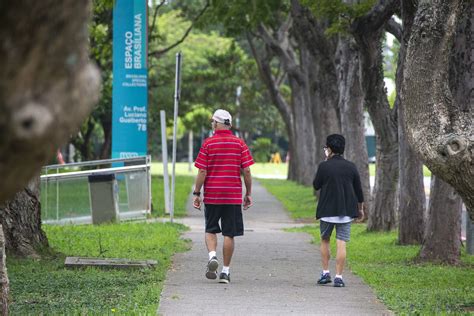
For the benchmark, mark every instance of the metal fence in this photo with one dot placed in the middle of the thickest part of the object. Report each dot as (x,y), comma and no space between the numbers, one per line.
(68,194)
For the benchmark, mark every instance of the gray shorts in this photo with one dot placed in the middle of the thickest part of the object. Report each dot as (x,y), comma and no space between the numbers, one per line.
(343,230)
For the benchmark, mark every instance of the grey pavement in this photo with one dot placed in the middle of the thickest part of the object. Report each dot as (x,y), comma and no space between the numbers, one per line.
(272,272)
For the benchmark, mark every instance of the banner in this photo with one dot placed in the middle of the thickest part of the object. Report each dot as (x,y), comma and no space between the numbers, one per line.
(130,79)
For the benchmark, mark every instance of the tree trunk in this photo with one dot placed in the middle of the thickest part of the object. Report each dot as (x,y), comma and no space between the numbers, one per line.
(368,32)
(411,194)
(298,114)
(439,127)
(320,52)
(47,84)
(351,102)
(4,284)
(303,138)
(21,221)
(442,239)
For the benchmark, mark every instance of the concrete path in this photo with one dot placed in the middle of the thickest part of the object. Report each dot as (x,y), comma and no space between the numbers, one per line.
(272,272)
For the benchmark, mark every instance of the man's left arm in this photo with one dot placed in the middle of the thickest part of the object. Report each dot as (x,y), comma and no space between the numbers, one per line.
(201,176)
(201,164)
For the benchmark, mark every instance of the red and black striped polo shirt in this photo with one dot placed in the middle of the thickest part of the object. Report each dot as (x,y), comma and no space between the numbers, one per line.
(223,155)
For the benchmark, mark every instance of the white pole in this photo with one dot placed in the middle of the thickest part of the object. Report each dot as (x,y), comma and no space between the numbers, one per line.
(164,153)
(190,150)
(148,163)
(175,127)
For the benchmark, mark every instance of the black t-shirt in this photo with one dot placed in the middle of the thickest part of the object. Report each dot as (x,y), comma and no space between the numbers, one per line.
(340,186)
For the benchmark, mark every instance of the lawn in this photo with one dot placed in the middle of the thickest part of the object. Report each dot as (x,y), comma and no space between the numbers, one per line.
(183,188)
(45,287)
(406,287)
(300,201)
(258,169)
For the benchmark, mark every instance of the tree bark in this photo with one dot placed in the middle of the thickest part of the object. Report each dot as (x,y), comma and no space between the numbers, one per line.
(320,49)
(440,129)
(306,57)
(351,108)
(411,194)
(367,32)
(4,283)
(47,84)
(21,221)
(442,239)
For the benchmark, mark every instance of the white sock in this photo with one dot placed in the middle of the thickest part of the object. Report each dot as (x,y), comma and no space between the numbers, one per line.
(212,254)
(226,270)
(339,276)
(325,271)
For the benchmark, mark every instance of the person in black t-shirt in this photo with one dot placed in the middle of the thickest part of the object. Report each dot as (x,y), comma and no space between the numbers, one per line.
(340,201)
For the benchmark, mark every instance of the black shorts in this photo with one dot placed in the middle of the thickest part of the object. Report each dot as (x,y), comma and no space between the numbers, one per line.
(230,216)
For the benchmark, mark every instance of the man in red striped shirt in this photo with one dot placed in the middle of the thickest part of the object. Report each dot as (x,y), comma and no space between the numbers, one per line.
(220,161)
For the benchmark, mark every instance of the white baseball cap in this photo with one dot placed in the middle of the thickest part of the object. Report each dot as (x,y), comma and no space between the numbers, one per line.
(223,117)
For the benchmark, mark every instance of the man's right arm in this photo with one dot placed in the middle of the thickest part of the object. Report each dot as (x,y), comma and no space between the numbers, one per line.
(248,187)
(201,176)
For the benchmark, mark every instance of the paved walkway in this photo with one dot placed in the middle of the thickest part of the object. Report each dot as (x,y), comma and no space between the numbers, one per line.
(272,272)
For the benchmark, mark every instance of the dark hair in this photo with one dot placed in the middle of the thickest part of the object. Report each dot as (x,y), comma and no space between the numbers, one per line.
(337,143)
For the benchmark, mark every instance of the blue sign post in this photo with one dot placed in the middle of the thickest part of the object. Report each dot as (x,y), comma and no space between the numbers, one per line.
(130,81)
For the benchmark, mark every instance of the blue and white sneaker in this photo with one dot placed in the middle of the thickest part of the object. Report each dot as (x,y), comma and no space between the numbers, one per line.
(212,266)
(224,278)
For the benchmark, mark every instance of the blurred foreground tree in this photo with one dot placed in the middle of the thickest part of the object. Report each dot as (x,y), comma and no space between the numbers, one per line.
(47,88)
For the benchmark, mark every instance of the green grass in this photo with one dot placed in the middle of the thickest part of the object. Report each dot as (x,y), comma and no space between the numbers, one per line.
(45,287)
(299,200)
(258,169)
(183,189)
(391,270)
(269,169)
(372,169)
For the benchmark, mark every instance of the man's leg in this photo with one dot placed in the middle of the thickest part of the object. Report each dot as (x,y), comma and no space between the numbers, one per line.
(228,250)
(340,256)
(212,228)
(211,242)
(212,264)
(232,225)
